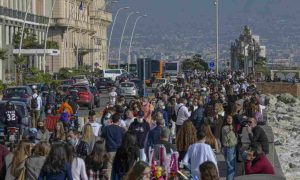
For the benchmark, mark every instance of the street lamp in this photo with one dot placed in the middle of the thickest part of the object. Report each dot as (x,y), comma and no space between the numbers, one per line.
(112,29)
(46,36)
(130,14)
(217,34)
(132,34)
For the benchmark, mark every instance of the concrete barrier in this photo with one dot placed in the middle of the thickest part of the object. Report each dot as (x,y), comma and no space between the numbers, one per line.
(272,156)
(259,177)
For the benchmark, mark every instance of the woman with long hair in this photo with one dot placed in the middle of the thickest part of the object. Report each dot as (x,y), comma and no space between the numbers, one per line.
(186,136)
(56,165)
(15,162)
(126,156)
(77,164)
(97,162)
(140,171)
(229,142)
(210,138)
(35,162)
(86,142)
(59,134)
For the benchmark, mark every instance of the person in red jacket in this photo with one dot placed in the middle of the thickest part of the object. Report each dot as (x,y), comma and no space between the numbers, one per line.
(258,163)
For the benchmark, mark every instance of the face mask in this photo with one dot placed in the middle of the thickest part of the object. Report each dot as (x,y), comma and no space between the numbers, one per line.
(72,142)
(58,127)
(163,107)
(108,115)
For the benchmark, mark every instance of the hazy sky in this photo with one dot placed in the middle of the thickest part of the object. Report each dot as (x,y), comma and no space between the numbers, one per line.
(166,13)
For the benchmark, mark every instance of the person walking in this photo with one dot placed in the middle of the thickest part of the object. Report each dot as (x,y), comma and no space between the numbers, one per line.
(35,162)
(199,153)
(182,113)
(97,163)
(35,106)
(77,164)
(113,135)
(56,165)
(229,141)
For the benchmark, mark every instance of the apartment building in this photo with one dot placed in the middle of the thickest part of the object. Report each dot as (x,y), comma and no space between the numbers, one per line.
(83,30)
(12,15)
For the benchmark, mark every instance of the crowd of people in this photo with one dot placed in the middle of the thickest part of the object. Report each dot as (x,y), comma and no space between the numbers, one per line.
(199,117)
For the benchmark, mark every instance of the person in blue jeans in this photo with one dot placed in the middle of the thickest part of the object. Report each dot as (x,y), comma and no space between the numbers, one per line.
(229,142)
(56,166)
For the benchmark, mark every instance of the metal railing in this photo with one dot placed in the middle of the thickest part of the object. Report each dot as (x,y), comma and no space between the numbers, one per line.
(21,15)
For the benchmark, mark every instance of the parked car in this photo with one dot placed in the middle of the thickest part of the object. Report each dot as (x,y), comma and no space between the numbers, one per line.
(21,107)
(123,78)
(85,96)
(96,96)
(68,82)
(18,93)
(81,79)
(139,85)
(63,89)
(104,83)
(127,89)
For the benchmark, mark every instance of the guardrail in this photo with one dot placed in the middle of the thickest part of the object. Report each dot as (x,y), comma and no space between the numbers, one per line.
(4,11)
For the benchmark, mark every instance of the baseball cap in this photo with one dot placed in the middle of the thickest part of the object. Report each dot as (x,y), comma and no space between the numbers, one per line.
(141,114)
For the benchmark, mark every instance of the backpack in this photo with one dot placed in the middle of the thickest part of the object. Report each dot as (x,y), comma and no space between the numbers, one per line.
(34,103)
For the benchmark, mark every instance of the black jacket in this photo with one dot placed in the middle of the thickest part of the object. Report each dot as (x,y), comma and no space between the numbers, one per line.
(259,136)
(141,131)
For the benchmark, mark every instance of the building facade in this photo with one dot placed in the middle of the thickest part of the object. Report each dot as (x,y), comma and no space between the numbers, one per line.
(12,15)
(79,32)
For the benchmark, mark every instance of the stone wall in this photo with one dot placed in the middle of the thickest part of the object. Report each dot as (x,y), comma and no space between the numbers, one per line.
(278,88)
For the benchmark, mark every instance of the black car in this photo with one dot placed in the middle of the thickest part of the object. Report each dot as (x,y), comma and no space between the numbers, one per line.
(104,84)
(96,96)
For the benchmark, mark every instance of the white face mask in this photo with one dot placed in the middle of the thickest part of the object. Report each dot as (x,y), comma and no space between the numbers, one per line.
(140,120)
(163,107)
(222,113)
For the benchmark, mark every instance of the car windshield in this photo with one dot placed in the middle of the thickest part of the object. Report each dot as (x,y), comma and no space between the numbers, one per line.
(81,89)
(93,89)
(127,85)
(16,91)
(103,80)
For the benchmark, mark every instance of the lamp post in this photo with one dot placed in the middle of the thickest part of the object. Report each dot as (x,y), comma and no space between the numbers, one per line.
(132,34)
(46,36)
(120,47)
(217,35)
(23,27)
(112,29)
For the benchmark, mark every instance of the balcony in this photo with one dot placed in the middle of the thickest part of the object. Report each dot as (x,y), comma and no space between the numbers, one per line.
(103,15)
(21,15)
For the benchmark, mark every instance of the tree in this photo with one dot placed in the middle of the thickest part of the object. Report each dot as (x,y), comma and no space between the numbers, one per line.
(195,63)
(3,55)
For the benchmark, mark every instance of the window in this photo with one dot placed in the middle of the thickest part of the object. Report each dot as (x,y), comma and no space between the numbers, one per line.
(112,71)
(127,85)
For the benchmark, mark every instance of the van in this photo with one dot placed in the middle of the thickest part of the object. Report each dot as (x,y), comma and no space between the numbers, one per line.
(112,73)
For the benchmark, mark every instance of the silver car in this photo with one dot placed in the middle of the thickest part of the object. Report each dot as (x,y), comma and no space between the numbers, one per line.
(127,89)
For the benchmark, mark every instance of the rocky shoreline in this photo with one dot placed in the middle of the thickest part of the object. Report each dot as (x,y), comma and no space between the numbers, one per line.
(283,114)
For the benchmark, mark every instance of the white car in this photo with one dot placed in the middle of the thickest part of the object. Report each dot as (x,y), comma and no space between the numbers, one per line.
(81,79)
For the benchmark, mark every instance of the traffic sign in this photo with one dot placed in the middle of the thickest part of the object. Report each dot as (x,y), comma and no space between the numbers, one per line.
(211,64)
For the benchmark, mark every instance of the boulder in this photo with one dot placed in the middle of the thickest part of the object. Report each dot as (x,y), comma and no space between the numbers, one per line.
(287,98)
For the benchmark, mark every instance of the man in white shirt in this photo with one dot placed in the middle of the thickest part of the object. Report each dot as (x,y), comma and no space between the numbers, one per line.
(35,105)
(113,96)
(199,153)
(92,121)
(182,113)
